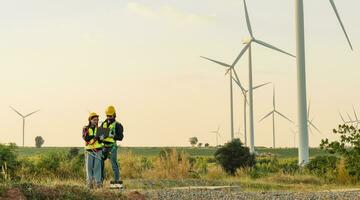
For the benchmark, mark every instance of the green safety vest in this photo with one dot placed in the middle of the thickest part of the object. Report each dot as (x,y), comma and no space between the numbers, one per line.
(93,144)
(112,126)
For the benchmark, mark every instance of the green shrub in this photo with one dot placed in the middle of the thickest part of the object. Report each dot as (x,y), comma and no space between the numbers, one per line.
(201,165)
(289,166)
(347,147)
(233,155)
(8,161)
(322,165)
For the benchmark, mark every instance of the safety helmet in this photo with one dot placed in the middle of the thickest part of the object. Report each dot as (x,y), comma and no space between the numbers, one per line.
(110,110)
(92,115)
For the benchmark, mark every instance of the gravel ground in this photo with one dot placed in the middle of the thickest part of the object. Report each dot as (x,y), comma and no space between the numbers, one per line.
(229,194)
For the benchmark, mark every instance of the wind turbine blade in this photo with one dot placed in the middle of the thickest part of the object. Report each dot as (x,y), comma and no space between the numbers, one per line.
(237,81)
(311,124)
(266,116)
(236,76)
(16,111)
(215,61)
(342,118)
(241,54)
(355,114)
(273,47)
(31,113)
(284,116)
(349,117)
(259,86)
(248,20)
(310,129)
(341,23)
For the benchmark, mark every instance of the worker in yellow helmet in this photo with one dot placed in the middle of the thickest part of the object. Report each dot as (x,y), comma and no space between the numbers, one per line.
(110,146)
(93,152)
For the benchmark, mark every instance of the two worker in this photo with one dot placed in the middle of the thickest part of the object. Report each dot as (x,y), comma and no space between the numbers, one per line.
(99,149)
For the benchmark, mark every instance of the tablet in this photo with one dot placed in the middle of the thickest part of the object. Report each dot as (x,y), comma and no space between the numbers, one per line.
(102,132)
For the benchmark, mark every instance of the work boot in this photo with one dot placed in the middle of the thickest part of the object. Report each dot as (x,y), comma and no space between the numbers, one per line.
(116,185)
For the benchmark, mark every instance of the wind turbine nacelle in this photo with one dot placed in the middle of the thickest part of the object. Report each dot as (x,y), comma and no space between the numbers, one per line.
(246,40)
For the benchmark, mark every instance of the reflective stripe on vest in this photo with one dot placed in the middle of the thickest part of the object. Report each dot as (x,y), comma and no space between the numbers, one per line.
(112,126)
(92,144)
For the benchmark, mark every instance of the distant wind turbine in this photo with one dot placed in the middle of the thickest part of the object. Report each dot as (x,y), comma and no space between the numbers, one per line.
(23,118)
(310,122)
(244,93)
(273,112)
(229,71)
(217,133)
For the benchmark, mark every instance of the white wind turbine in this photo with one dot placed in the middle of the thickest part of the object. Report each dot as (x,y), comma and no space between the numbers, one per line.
(351,121)
(238,132)
(248,43)
(301,77)
(230,72)
(244,93)
(23,119)
(294,132)
(217,133)
(311,122)
(356,118)
(273,112)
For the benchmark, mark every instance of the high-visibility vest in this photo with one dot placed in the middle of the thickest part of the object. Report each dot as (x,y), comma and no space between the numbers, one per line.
(92,144)
(110,138)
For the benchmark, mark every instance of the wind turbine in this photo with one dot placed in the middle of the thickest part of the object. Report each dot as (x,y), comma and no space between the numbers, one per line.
(248,43)
(294,132)
(273,112)
(23,118)
(351,121)
(244,93)
(310,122)
(238,132)
(230,72)
(301,77)
(356,118)
(217,133)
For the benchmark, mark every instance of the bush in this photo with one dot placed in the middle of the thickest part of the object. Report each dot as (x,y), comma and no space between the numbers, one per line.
(289,166)
(265,165)
(348,147)
(322,165)
(8,161)
(233,155)
(52,166)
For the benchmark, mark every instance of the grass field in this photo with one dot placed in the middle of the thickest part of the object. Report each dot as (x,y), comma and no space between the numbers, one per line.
(154,151)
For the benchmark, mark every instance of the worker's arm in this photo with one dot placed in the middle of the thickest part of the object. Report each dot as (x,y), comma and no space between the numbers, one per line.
(119,129)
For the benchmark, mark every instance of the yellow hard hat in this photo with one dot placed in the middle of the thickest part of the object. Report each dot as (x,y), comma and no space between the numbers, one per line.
(110,110)
(92,115)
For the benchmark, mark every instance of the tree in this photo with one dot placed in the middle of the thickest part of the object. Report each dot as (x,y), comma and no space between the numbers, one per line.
(39,141)
(347,147)
(206,145)
(193,141)
(233,155)
(199,144)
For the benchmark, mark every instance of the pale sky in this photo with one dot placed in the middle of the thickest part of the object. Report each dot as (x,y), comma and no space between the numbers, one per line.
(69,57)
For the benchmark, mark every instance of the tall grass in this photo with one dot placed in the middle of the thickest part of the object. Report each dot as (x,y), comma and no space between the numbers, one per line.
(173,165)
